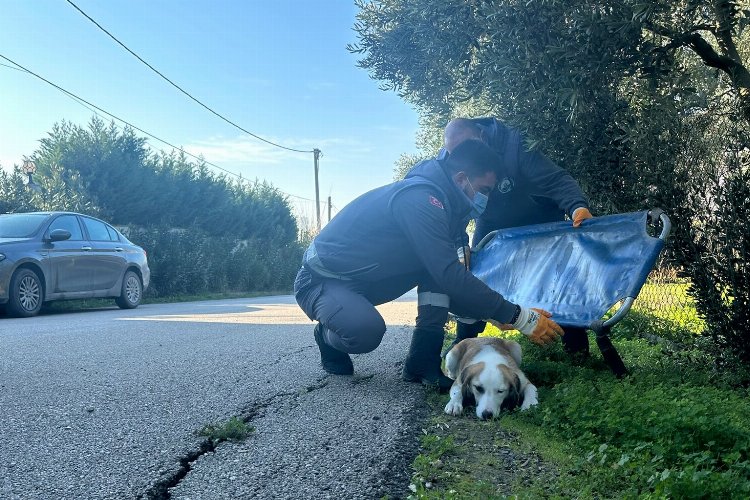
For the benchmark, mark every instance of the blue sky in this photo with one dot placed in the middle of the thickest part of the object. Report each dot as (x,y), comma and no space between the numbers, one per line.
(279,69)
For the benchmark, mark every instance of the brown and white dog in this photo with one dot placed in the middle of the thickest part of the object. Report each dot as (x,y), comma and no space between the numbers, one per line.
(487,369)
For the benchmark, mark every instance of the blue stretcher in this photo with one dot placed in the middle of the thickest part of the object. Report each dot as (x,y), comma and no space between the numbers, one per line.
(577,274)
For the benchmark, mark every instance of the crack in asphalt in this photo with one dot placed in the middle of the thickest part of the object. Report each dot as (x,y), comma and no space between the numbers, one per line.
(160,490)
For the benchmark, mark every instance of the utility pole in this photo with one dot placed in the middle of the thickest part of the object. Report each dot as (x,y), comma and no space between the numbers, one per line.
(316,155)
(329,209)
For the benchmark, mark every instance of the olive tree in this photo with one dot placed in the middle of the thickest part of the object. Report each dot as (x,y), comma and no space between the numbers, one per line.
(644,102)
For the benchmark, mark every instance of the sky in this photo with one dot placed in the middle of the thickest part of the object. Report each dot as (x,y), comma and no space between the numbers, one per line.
(279,69)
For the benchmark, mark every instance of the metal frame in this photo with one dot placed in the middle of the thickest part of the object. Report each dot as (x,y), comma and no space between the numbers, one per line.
(653,215)
(603,328)
(666,228)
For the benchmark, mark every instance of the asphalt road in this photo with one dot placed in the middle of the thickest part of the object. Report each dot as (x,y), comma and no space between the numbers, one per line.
(108,404)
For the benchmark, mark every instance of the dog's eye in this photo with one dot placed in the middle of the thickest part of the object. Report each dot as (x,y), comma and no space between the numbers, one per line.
(500,391)
(479,389)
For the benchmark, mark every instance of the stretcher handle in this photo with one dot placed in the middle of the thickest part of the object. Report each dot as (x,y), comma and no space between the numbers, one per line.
(666,225)
(487,238)
(655,214)
(621,312)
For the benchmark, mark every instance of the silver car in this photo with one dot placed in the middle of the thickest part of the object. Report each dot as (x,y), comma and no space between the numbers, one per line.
(47,256)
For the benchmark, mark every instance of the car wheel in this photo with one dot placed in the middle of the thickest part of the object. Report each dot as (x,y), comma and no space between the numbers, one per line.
(132,291)
(26,294)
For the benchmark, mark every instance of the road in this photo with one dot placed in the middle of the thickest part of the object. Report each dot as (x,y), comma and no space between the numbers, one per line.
(108,404)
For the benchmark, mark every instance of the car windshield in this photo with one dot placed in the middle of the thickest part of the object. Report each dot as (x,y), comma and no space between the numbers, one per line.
(20,225)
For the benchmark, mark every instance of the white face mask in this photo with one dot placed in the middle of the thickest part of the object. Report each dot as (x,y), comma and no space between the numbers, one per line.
(478,203)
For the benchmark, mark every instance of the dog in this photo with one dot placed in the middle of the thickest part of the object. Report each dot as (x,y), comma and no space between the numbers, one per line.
(486,369)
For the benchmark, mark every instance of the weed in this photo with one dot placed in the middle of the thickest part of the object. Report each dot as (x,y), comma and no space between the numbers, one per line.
(679,426)
(234,429)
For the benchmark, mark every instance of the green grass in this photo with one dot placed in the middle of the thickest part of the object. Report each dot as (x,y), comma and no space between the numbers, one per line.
(676,428)
(234,429)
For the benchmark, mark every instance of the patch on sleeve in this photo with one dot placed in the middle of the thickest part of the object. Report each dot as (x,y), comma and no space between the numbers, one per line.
(436,202)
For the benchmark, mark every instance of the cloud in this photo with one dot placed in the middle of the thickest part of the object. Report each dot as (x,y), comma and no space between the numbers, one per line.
(7,164)
(246,150)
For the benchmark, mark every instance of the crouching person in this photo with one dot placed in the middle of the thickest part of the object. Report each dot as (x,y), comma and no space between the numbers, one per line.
(394,238)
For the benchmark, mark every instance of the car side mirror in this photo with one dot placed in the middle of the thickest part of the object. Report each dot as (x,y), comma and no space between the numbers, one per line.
(59,235)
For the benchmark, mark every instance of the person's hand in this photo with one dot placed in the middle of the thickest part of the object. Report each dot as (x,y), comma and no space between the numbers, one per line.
(535,324)
(464,256)
(580,214)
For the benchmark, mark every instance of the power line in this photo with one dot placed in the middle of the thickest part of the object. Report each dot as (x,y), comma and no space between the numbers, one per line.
(11,67)
(82,100)
(316,152)
(180,88)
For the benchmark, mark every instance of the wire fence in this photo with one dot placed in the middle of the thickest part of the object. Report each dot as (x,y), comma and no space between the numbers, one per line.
(665,296)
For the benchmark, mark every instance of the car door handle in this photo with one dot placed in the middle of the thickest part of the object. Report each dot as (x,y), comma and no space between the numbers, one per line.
(86,249)
(118,249)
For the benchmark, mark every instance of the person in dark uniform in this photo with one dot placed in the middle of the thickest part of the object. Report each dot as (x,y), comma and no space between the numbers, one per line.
(530,190)
(396,237)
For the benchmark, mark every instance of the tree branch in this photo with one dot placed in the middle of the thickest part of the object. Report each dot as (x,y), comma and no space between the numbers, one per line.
(725,13)
(730,62)
(706,52)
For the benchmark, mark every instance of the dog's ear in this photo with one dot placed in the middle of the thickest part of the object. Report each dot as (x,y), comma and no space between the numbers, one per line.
(515,395)
(453,358)
(468,374)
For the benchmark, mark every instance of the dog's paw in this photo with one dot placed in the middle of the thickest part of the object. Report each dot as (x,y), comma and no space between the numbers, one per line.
(529,397)
(454,408)
(529,402)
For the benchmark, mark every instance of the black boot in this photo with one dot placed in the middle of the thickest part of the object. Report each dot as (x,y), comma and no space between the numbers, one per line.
(576,344)
(423,361)
(332,360)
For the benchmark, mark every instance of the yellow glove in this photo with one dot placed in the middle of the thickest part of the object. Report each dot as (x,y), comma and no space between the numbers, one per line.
(580,214)
(535,324)
(464,256)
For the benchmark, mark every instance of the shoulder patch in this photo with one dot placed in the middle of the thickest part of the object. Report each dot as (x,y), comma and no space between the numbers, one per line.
(436,202)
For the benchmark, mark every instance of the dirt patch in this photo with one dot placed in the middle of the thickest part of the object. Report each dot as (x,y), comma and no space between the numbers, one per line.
(467,458)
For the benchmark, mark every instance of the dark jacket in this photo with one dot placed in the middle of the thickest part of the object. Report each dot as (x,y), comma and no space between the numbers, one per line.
(531,190)
(408,227)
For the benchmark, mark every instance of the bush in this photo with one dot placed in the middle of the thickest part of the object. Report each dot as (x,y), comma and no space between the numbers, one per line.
(721,282)
(190,262)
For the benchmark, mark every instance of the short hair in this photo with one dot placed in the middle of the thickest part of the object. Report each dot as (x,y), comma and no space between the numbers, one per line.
(459,130)
(473,157)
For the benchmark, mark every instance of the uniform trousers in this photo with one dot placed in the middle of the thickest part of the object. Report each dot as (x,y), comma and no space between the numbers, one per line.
(346,308)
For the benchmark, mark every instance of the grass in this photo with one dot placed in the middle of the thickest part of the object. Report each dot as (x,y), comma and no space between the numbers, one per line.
(466,458)
(677,427)
(234,429)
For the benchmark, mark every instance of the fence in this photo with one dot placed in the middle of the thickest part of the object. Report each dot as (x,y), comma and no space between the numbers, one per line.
(665,296)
